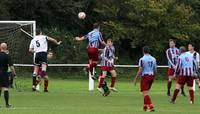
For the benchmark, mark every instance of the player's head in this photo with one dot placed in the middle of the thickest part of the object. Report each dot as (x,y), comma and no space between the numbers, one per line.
(172,43)
(38,31)
(50,55)
(96,26)
(191,47)
(109,42)
(182,49)
(3,47)
(146,50)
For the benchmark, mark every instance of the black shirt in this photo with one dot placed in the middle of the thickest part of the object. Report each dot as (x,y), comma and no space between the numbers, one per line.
(5,61)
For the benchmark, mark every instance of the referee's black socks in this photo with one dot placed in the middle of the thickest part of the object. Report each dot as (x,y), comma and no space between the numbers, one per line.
(6,97)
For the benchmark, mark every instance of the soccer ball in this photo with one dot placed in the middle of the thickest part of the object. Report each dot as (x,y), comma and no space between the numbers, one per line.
(81,15)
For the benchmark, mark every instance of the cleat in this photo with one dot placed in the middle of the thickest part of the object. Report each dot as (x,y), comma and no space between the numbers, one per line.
(172,102)
(9,106)
(100,90)
(94,77)
(107,93)
(46,91)
(113,89)
(168,94)
(191,102)
(145,108)
(183,94)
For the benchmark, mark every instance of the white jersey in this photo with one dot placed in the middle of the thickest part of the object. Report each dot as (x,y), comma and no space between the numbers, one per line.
(196,57)
(39,43)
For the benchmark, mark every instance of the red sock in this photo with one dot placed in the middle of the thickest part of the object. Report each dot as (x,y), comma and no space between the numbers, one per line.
(91,66)
(113,80)
(191,95)
(36,82)
(101,82)
(46,83)
(169,85)
(145,103)
(175,94)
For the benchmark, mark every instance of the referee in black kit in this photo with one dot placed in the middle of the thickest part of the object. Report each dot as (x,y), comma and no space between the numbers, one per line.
(5,62)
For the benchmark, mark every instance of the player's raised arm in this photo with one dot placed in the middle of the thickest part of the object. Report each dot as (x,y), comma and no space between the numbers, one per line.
(80,38)
(53,40)
(31,47)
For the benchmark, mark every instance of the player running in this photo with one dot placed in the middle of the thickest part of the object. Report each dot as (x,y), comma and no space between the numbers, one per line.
(95,38)
(197,61)
(172,56)
(5,62)
(147,71)
(185,68)
(39,46)
(107,65)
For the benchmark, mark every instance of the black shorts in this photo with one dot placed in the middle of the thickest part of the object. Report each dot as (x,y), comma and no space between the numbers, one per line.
(40,58)
(4,80)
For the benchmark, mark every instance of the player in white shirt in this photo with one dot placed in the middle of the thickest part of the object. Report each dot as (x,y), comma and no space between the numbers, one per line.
(39,46)
(197,60)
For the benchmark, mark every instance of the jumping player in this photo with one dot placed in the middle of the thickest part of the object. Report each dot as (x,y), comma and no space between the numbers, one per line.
(147,71)
(185,68)
(5,62)
(39,46)
(196,59)
(107,65)
(172,56)
(95,38)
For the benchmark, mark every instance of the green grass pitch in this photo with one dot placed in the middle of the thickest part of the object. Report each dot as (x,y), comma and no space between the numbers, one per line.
(72,97)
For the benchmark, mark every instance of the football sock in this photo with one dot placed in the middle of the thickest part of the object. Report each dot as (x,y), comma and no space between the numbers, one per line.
(6,97)
(169,84)
(91,66)
(191,95)
(101,82)
(175,94)
(113,80)
(46,83)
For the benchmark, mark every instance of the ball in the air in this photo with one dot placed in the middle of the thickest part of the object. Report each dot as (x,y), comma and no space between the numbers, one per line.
(81,15)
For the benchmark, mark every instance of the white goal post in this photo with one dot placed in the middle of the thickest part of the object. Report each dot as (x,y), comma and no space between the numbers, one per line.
(23,23)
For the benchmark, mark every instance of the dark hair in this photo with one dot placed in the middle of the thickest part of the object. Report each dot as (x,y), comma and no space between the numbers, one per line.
(110,39)
(192,44)
(172,40)
(146,49)
(182,49)
(38,31)
(96,25)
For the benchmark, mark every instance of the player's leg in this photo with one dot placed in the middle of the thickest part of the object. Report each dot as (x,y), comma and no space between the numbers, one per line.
(93,56)
(46,83)
(182,91)
(145,86)
(197,82)
(169,81)
(113,80)
(101,81)
(37,82)
(5,88)
(190,87)
(6,97)
(35,73)
(180,82)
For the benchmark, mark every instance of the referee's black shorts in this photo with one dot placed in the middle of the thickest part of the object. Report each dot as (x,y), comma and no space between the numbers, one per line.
(40,58)
(4,80)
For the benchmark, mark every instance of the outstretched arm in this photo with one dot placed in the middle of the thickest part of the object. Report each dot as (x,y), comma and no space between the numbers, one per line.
(54,40)
(80,38)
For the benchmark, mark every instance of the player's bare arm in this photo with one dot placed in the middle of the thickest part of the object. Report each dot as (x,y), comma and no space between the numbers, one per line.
(80,38)
(54,41)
